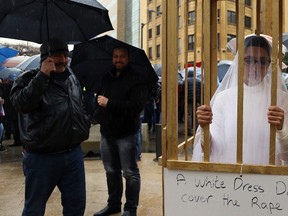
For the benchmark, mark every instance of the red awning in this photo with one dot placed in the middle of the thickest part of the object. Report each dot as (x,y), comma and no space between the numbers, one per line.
(198,64)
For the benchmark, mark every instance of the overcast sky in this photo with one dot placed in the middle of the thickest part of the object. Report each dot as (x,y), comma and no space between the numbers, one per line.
(13,41)
(27,43)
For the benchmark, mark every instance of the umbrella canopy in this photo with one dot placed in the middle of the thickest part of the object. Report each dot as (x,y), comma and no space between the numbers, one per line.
(14,61)
(158,69)
(223,67)
(91,60)
(190,72)
(9,73)
(30,64)
(38,21)
(6,52)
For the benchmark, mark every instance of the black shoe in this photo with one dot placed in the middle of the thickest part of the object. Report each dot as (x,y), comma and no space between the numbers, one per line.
(7,138)
(15,144)
(108,210)
(2,149)
(129,213)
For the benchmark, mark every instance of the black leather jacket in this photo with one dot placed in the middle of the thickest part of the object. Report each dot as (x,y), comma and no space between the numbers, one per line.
(51,116)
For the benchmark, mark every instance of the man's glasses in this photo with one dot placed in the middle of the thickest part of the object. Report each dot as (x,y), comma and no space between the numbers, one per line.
(262,60)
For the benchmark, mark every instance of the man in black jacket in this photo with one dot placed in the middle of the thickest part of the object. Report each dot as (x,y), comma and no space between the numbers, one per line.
(120,102)
(52,125)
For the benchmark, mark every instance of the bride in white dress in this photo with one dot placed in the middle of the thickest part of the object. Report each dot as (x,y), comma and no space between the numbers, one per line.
(258,114)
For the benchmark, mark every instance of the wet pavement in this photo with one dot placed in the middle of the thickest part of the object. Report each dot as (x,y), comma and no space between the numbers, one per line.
(12,185)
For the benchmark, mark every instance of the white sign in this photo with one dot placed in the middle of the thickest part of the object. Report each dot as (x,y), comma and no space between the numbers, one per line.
(217,194)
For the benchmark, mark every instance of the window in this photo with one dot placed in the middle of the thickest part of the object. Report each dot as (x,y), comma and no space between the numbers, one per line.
(247,22)
(158,10)
(191,17)
(158,51)
(231,17)
(150,53)
(179,2)
(158,30)
(150,15)
(248,3)
(191,41)
(179,22)
(150,33)
(179,45)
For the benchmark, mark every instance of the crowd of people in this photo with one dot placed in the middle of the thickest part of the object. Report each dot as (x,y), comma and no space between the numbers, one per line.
(9,128)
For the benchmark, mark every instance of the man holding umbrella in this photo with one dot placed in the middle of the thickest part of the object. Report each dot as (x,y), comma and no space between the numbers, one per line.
(52,125)
(120,102)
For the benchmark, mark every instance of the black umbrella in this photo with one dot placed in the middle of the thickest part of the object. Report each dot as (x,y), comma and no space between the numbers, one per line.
(40,20)
(92,59)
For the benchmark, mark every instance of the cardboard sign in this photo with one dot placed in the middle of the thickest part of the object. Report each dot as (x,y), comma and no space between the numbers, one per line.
(218,194)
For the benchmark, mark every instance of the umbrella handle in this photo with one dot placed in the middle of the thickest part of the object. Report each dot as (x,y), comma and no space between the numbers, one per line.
(49,51)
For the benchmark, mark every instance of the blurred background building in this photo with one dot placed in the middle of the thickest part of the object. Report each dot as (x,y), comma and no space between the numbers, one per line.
(226,21)
(125,18)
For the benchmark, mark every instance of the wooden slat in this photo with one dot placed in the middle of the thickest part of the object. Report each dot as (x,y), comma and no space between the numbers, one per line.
(206,58)
(172,91)
(275,33)
(230,168)
(213,48)
(280,33)
(258,15)
(164,92)
(240,11)
(164,84)
(185,53)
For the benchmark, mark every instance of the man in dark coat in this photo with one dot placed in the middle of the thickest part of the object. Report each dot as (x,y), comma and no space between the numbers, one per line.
(52,125)
(120,102)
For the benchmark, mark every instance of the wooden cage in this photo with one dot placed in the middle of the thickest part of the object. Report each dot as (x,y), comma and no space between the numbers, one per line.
(176,167)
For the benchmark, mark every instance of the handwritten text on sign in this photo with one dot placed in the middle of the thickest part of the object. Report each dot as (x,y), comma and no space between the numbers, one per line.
(212,193)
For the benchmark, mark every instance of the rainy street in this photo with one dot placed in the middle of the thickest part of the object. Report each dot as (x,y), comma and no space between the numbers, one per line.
(12,184)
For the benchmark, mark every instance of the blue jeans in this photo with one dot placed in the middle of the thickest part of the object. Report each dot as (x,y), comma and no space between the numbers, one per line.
(121,155)
(1,131)
(140,139)
(43,172)
(150,116)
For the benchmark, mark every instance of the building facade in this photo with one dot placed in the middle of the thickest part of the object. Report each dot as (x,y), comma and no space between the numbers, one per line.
(226,25)
(138,22)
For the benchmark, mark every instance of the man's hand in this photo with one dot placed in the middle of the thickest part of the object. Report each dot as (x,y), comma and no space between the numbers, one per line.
(204,115)
(276,116)
(102,101)
(48,66)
